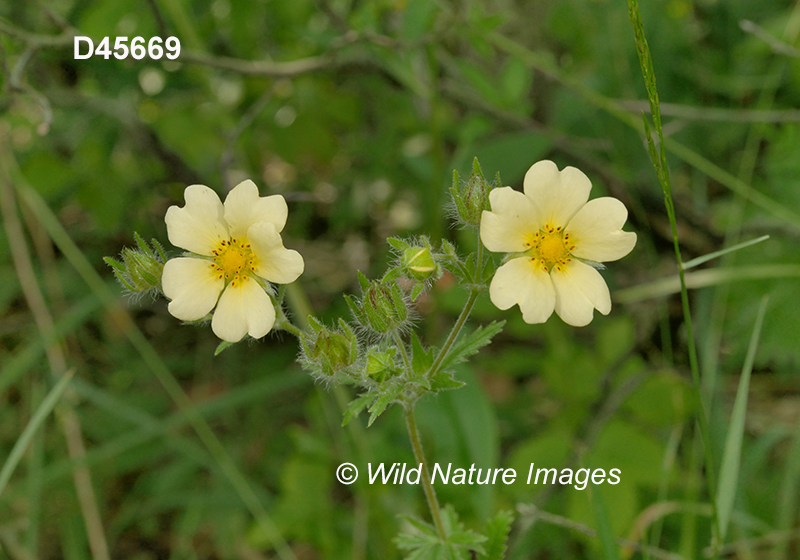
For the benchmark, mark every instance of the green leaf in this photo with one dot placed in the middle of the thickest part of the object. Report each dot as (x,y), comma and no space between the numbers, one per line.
(424,543)
(224,345)
(497,530)
(470,344)
(385,399)
(356,406)
(363,281)
(398,244)
(421,361)
(459,536)
(418,288)
(392,274)
(444,380)
(115,264)
(731,457)
(159,249)
(607,540)
(143,246)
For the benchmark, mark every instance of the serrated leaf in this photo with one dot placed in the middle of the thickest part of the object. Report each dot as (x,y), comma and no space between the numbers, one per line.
(457,535)
(444,380)
(421,361)
(421,526)
(356,406)
(470,344)
(224,345)
(497,530)
(385,399)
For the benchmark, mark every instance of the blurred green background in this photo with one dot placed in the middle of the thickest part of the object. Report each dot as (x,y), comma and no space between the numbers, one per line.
(358,112)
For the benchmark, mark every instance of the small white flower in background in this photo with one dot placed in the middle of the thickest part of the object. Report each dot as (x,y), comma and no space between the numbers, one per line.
(235,249)
(548,231)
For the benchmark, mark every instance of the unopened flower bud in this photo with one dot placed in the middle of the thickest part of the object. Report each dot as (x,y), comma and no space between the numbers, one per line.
(329,353)
(334,351)
(472,198)
(382,308)
(380,365)
(140,269)
(419,264)
(145,271)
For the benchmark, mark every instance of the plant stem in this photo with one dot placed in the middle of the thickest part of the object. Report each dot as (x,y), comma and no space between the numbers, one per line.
(430,492)
(462,318)
(451,338)
(402,347)
(284,324)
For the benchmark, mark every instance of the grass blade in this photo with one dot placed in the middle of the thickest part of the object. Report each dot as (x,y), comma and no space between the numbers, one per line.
(607,539)
(705,258)
(27,434)
(729,470)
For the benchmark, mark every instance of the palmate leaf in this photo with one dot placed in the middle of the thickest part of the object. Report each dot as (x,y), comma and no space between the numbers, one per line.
(470,344)
(423,543)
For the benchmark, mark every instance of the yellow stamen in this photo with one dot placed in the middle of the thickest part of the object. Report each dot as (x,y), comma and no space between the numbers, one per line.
(233,260)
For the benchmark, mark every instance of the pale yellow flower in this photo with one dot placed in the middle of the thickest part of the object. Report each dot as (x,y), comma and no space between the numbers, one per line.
(548,232)
(235,249)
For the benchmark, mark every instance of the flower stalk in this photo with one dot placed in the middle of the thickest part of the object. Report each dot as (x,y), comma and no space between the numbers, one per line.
(427,485)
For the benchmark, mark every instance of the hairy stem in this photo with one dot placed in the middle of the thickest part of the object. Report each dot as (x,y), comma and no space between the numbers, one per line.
(402,347)
(419,455)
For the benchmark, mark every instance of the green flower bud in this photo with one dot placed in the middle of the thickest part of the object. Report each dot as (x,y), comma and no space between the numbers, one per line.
(328,353)
(140,269)
(334,351)
(382,307)
(144,270)
(472,198)
(380,365)
(418,263)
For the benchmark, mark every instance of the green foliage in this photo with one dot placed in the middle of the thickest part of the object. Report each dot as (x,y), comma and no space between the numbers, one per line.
(358,112)
(497,529)
(422,542)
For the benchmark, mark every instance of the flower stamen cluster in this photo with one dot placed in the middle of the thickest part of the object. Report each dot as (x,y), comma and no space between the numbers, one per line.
(233,260)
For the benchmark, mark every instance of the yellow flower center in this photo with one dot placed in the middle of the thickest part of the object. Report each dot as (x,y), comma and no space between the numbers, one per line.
(233,260)
(551,246)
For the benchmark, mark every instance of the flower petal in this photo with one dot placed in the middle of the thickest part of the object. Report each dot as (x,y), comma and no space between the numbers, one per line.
(273,261)
(556,195)
(511,222)
(243,208)
(192,285)
(579,291)
(596,231)
(243,308)
(198,226)
(523,281)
